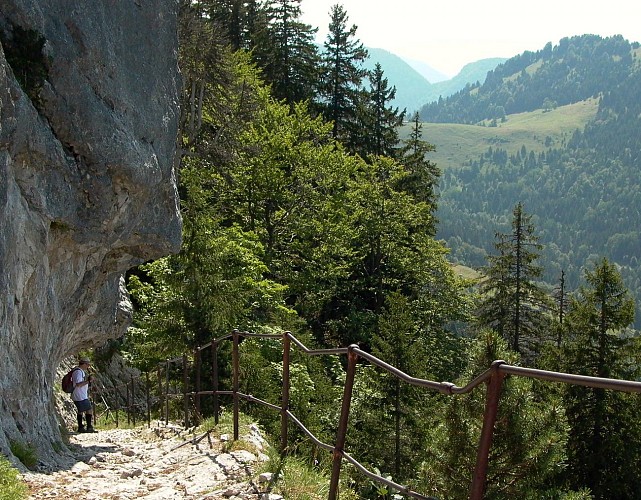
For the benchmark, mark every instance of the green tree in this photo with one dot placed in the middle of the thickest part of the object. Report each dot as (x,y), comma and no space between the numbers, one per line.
(528,441)
(342,76)
(398,343)
(289,56)
(513,303)
(391,251)
(379,120)
(604,447)
(423,174)
(241,21)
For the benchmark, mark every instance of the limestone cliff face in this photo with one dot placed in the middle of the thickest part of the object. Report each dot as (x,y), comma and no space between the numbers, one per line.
(88,124)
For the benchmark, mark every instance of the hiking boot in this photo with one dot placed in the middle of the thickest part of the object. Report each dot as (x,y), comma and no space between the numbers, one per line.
(81,429)
(90,429)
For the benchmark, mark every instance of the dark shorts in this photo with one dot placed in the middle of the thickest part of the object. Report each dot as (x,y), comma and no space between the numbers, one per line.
(84,405)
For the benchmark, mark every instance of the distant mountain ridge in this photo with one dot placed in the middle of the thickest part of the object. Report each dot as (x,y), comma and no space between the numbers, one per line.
(576,69)
(413,90)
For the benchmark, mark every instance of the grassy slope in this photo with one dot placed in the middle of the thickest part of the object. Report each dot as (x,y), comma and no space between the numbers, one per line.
(457,144)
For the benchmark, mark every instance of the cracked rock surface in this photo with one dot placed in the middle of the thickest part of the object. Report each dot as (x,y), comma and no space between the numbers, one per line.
(157,463)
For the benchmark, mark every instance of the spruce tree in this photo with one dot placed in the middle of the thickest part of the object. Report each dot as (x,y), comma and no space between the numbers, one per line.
(342,76)
(288,55)
(379,120)
(423,175)
(513,303)
(604,444)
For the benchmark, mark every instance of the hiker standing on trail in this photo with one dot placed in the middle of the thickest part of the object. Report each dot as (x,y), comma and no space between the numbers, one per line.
(80,395)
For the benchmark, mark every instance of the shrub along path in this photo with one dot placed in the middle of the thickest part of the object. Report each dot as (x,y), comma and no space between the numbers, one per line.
(164,462)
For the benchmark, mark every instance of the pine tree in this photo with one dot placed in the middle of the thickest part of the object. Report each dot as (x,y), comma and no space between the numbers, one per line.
(423,174)
(342,76)
(288,55)
(398,343)
(242,21)
(379,120)
(604,444)
(513,303)
(528,441)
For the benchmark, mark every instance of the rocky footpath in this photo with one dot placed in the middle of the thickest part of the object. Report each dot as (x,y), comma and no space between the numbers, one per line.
(162,462)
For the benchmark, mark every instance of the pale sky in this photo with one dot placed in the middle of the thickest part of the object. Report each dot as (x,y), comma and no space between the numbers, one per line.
(451,33)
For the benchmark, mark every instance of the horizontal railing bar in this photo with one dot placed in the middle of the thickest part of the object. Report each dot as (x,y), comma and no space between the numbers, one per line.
(253,399)
(570,378)
(404,489)
(443,387)
(316,352)
(475,382)
(309,434)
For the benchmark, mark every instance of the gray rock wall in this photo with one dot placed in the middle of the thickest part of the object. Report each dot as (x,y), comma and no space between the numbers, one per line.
(88,127)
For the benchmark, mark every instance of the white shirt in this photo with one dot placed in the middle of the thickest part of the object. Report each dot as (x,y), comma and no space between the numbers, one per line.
(79,393)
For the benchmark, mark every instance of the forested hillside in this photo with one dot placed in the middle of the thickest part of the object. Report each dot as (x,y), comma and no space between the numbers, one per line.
(310,205)
(575,69)
(584,190)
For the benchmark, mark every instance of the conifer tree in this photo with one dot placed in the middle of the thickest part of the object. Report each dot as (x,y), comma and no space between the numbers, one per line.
(242,21)
(513,303)
(342,76)
(604,446)
(379,120)
(423,174)
(528,441)
(288,55)
(398,343)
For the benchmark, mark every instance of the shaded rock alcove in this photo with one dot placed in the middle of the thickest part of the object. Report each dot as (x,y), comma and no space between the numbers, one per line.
(88,125)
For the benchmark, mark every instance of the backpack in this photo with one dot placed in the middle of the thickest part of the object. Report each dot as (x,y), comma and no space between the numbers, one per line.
(67,380)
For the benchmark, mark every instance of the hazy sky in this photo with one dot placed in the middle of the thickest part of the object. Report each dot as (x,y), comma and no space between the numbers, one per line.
(451,33)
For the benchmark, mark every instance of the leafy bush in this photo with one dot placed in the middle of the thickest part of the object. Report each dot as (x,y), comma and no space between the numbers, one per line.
(11,488)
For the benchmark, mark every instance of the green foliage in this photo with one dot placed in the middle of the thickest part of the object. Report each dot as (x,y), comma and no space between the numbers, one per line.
(25,452)
(11,487)
(605,440)
(528,443)
(298,478)
(512,302)
(341,76)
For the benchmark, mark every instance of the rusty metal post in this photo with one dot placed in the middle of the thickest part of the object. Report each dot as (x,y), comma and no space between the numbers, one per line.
(285,397)
(148,397)
(198,387)
(214,377)
(235,363)
(167,392)
(119,397)
(160,392)
(341,433)
(128,405)
(489,419)
(133,402)
(185,390)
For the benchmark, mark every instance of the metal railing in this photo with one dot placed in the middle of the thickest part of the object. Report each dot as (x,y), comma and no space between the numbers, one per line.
(493,377)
